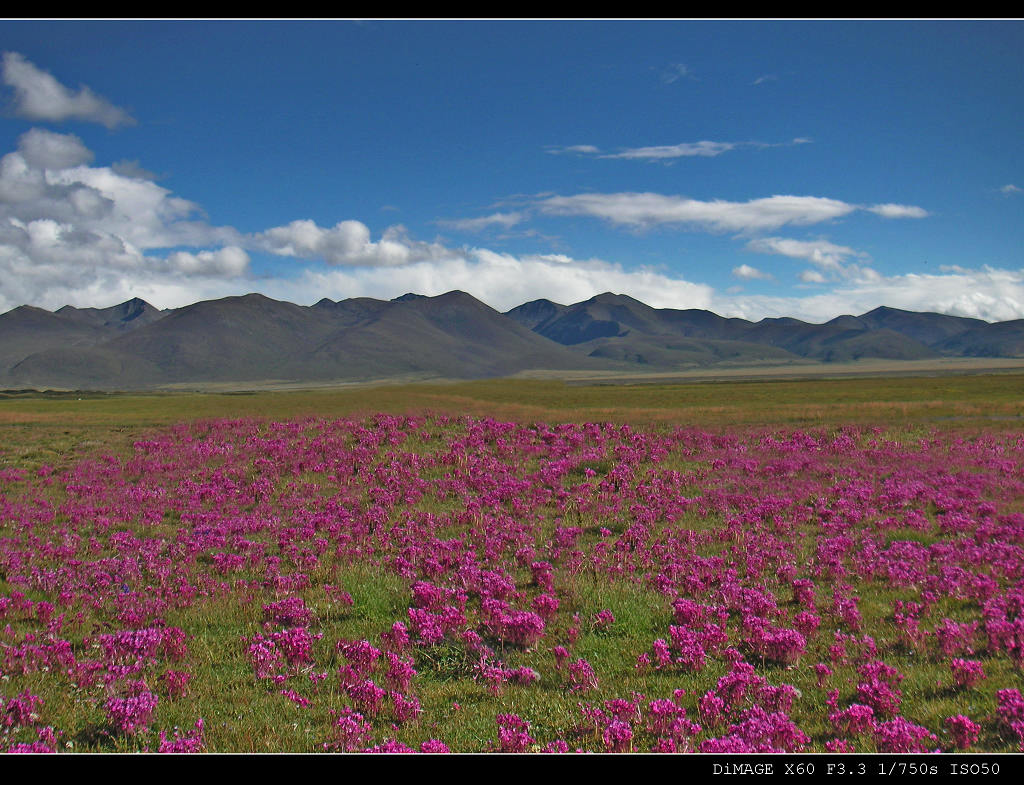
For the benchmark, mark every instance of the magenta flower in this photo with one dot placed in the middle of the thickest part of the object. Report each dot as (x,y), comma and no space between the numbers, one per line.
(182,743)
(434,746)
(603,619)
(132,712)
(582,676)
(618,736)
(966,673)
(350,732)
(901,735)
(175,682)
(513,733)
(963,731)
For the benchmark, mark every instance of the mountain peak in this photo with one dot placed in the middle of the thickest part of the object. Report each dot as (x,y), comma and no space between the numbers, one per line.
(456,294)
(610,297)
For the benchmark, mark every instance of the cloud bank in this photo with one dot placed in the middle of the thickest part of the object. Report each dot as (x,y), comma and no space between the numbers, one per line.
(74,232)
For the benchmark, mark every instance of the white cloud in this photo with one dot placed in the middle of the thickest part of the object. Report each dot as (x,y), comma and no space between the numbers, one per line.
(748,273)
(49,265)
(578,149)
(132,169)
(140,211)
(504,220)
(1009,189)
(70,232)
(642,210)
(827,256)
(559,258)
(820,252)
(811,276)
(989,294)
(228,262)
(645,210)
(670,152)
(704,149)
(765,78)
(39,96)
(898,211)
(503,281)
(347,243)
(46,150)
(89,235)
(676,71)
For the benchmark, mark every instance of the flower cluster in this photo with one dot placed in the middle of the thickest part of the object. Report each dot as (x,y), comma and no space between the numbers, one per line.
(843,562)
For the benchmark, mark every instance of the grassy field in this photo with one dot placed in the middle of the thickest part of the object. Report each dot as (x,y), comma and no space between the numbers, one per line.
(43,426)
(48,428)
(49,433)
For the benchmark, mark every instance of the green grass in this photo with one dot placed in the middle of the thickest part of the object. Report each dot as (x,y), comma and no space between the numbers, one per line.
(47,429)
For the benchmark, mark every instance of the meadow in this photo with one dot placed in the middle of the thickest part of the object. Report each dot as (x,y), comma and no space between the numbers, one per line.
(516,565)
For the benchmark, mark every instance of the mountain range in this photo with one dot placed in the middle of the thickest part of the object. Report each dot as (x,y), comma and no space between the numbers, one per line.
(253,338)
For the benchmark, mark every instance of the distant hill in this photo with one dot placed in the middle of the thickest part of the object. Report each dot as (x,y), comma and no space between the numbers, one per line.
(1002,339)
(128,315)
(611,325)
(26,330)
(253,338)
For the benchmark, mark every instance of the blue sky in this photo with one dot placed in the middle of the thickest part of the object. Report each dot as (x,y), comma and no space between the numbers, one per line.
(752,168)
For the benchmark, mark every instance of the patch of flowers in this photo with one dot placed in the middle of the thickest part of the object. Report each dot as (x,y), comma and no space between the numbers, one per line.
(791,580)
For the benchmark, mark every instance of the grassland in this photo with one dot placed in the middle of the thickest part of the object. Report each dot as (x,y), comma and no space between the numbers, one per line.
(50,427)
(57,429)
(54,423)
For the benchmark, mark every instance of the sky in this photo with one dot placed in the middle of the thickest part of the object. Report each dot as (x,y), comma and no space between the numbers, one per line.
(752,168)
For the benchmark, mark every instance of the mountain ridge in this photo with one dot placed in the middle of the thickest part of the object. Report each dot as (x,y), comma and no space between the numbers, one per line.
(252,337)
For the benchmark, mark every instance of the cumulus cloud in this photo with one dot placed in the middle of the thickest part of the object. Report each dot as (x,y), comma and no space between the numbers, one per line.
(228,262)
(503,220)
(989,294)
(831,259)
(643,210)
(73,232)
(501,280)
(347,243)
(46,150)
(132,169)
(504,281)
(140,211)
(39,96)
(748,273)
(823,253)
(898,211)
(70,231)
(811,276)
